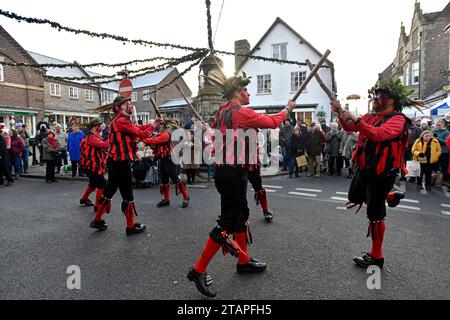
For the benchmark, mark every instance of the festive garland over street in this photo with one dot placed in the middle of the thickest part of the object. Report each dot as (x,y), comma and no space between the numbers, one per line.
(181,74)
(124,40)
(145,70)
(89,65)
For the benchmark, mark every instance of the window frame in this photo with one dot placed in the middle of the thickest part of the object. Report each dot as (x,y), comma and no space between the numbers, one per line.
(413,71)
(91,95)
(407,74)
(2,73)
(75,90)
(304,73)
(279,51)
(56,93)
(134,96)
(265,89)
(146,95)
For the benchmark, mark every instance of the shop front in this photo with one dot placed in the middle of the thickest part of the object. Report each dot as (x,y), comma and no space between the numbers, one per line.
(12,117)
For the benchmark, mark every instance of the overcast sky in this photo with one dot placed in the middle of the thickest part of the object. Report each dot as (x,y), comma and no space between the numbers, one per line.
(361,34)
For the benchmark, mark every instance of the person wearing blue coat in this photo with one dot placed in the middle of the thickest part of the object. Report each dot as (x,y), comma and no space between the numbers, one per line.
(73,147)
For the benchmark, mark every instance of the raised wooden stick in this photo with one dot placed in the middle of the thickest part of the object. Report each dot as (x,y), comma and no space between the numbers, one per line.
(311,75)
(158,113)
(328,92)
(189,104)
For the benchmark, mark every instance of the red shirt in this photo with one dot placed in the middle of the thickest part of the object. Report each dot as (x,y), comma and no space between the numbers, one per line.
(391,129)
(242,118)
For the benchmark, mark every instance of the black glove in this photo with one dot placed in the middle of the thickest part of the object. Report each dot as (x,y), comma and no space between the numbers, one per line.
(421,154)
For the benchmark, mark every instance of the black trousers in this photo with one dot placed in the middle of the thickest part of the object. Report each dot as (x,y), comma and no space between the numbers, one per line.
(50,170)
(5,171)
(168,170)
(254,177)
(75,166)
(191,173)
(372,189)
(96,181)
(335,162)
(231,182)
(443,163)
(119,177)
(426,169)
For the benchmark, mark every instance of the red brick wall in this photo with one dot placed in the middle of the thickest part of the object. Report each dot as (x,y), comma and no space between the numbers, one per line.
(24,98)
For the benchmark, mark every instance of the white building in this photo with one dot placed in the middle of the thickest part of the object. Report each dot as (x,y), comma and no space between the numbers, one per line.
(273,84)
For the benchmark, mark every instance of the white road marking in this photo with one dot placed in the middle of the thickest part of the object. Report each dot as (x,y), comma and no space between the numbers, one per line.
(409,208)
(339,199)
(271,191)
(444,189)
(308,190)
(342,193)
(198,186)
(445,205)
(342,208)
(446,213)
(410,200)
(303,194)
(272,187)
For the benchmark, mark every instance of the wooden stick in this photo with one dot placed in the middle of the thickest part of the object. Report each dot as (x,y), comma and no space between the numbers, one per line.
(330,94)
(158,113)
(311,75)
(189,104)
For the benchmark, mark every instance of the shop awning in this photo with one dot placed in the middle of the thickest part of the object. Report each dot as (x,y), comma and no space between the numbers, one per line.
(18,112)
(439,107)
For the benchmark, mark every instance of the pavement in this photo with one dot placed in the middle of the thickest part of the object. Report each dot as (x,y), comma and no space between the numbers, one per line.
(38,172)
(309,246)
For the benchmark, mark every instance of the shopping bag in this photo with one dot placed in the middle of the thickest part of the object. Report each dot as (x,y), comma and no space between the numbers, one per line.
(301,161)
(439,179)
(413,168)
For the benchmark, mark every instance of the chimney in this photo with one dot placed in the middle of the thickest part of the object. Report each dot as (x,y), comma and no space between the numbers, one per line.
(240,47)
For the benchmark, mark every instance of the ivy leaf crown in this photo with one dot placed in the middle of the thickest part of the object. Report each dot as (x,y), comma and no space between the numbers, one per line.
(400,93)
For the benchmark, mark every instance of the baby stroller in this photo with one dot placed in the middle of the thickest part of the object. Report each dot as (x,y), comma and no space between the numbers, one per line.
(145,172)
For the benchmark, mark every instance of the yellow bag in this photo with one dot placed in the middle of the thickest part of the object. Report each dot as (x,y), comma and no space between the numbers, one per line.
(301,161)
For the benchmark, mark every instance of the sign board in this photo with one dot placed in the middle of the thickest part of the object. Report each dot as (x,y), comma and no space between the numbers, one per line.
(125,88)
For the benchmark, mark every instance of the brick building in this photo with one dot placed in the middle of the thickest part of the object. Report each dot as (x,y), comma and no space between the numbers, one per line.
(66,101)
(422,55)
(21,88)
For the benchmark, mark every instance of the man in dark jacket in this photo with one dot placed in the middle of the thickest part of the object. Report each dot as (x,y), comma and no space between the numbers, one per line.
(314,149)
(298,145)
(333,141)
(285,140)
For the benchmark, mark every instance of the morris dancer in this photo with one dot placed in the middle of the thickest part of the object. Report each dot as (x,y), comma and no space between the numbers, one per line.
(379,158)
(163,146)
(122,150)
(231,182)
(254,177)
(93,161)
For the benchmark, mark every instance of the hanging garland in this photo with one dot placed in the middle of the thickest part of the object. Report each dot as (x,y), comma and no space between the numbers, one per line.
(89,65)
(208,22)
(152,69)
(198,56)
(179,76)
(124,40)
